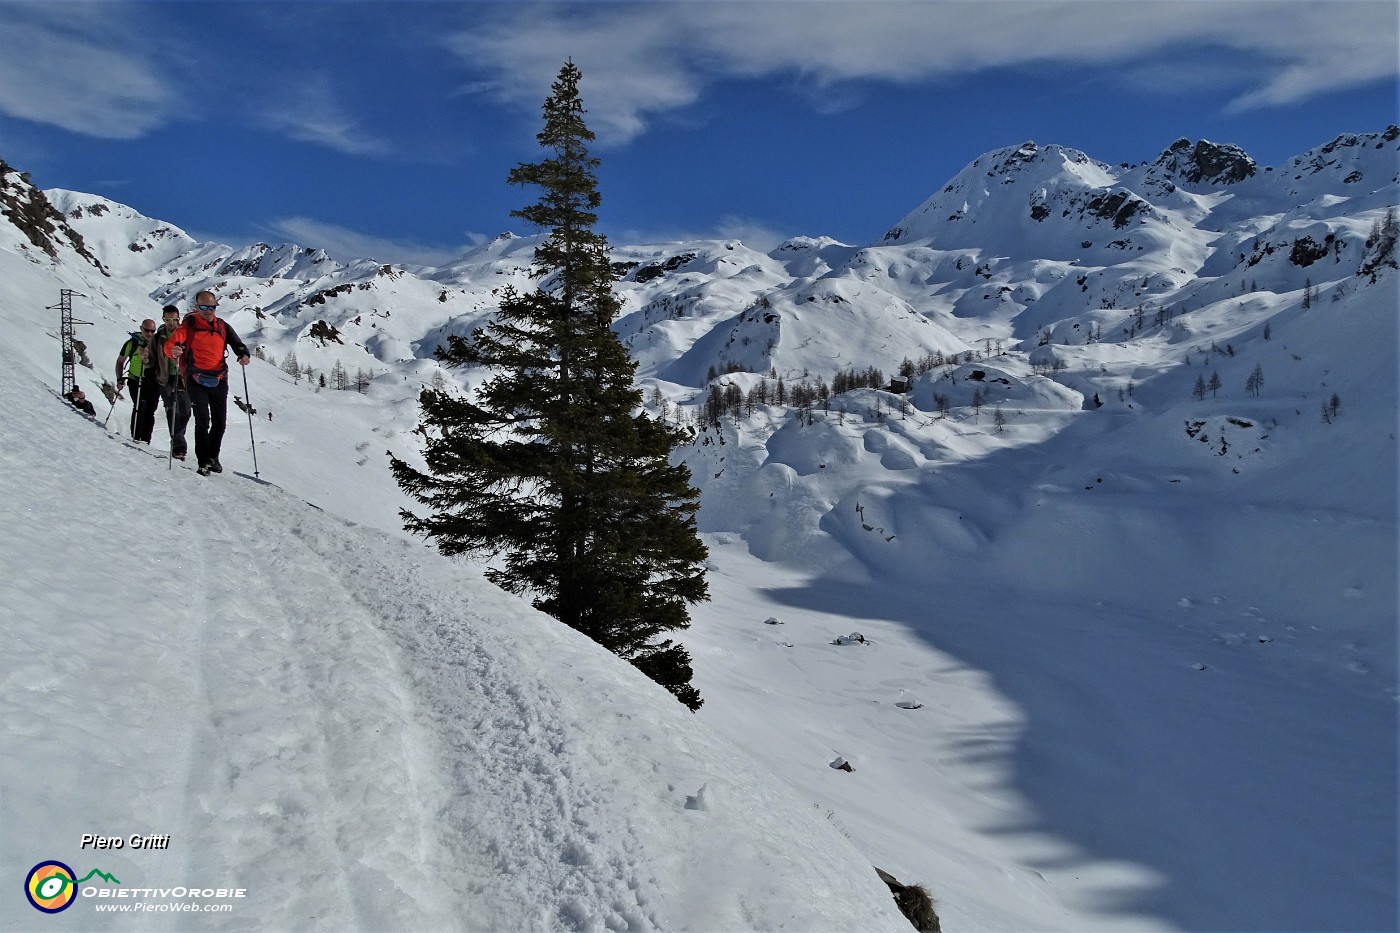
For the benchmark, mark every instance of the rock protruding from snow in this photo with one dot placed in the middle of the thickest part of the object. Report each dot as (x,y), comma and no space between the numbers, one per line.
(1204,163)
(32,214)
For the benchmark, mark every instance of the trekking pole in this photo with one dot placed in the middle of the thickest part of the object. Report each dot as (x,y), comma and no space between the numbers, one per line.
(248,399)
(136,407)
(115,395)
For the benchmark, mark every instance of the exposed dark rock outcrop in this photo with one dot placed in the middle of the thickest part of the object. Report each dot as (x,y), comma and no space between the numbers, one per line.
(30,211)
(1118,207)
(656,270)
(324,332)
(1307,251)
(914,902)
(1207,162)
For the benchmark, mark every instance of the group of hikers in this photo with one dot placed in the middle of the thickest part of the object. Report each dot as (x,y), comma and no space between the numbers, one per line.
(182,364)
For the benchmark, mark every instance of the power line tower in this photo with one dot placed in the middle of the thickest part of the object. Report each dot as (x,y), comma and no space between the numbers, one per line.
(66,322)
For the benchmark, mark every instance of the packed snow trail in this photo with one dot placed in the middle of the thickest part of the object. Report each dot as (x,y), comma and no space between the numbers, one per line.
(359,733)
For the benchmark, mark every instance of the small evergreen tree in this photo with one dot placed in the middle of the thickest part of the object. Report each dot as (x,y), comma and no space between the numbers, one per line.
(1214,385)
(1255,382)
(291,367)
(1199,391)
(552,463)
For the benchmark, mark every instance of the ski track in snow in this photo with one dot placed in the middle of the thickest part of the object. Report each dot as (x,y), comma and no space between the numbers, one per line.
(312,744)
(275,697)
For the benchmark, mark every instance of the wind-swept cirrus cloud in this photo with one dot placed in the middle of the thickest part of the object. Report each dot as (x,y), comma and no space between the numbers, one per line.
(346,245)
(642,60)
(66,65)
(309,112)
(752,233)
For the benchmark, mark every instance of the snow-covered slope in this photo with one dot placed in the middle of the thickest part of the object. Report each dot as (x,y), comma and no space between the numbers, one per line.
(1144,632)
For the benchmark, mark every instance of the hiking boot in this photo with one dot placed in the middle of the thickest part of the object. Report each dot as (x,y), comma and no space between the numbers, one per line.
(216,466)
(204,469)
(178,455)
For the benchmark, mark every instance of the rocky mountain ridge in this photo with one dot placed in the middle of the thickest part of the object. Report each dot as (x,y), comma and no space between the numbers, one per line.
(1025,239)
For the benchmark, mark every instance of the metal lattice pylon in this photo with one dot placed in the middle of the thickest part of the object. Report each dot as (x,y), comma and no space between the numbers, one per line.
(66,322)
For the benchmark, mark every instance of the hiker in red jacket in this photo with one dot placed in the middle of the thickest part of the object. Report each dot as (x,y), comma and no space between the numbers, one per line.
(202,340)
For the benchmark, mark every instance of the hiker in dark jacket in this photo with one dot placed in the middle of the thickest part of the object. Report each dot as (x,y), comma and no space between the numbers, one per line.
(79,399)
(199,345)
(172,383)
(136,370)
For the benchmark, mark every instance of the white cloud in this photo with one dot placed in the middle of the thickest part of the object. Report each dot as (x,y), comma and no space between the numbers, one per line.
(752,233)
(635,63)
(346,245)
(642,60)
(309,112)
(71,66)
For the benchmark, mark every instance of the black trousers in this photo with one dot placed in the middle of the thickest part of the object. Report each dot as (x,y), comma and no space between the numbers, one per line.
(145,396)
(210,407)
(177,416)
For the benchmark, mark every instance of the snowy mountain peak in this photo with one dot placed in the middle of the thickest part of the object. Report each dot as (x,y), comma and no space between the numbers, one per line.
(129,242)
(285,261)
(1205,163)
(801,243)
(77,204)
(998,188)
(1028,158)
(1350,164)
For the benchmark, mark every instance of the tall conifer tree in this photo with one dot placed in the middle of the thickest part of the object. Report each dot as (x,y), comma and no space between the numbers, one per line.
(552,464)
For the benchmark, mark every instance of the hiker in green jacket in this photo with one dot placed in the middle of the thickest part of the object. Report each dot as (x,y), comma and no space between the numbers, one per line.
(136,370)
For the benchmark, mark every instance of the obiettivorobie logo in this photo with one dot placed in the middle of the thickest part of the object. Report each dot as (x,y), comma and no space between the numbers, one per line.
(52,886)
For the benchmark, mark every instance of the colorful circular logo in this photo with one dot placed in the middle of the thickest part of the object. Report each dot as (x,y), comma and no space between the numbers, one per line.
(51,887)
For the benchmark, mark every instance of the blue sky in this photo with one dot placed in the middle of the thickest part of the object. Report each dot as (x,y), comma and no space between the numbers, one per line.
(387,129)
